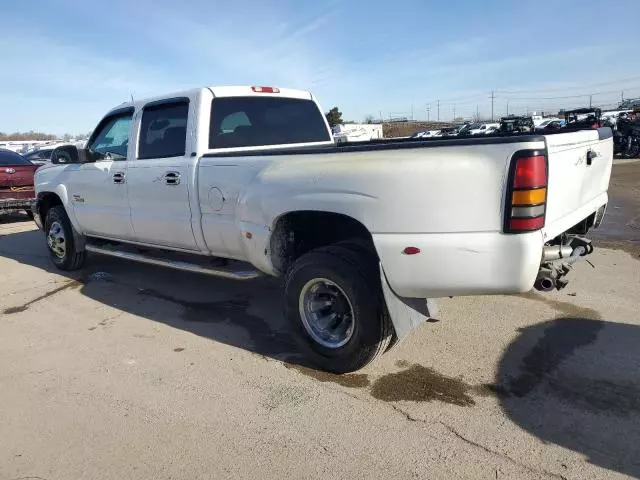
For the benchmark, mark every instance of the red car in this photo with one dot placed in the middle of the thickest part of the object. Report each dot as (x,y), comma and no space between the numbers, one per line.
(16,182)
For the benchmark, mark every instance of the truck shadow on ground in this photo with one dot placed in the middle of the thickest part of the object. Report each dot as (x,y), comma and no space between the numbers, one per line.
(575,382)
(572,381)
(246,315)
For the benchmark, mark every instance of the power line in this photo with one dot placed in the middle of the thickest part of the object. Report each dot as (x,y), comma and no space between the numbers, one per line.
(582,86)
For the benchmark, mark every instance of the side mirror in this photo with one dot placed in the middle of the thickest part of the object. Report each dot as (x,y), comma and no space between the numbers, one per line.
(67,154)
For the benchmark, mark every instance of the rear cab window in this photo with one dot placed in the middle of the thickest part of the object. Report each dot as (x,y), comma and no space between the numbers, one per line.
(264,121)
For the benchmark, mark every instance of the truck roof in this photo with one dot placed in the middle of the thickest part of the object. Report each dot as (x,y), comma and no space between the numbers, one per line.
(222,91)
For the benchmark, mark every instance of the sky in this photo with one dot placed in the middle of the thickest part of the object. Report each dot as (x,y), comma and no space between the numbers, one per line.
(64,63)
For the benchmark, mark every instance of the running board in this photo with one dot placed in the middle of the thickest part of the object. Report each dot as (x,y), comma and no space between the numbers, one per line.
(244,274)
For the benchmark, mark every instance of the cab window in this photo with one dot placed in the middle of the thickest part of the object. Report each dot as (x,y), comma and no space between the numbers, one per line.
(112,138)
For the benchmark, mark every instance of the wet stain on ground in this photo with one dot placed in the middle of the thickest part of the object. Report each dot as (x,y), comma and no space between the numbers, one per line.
(422,384)
(559,342)
(25,306)
(566,308)
(207,312)
(178,349)
(402,364)
(620,228)
(354,380)
(233,311)
(597,395)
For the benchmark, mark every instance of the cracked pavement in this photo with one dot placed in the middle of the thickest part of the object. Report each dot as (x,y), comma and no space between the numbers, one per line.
(132,371)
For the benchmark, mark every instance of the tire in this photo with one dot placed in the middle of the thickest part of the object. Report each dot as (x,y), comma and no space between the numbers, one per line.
(345,272)
(60,240)
(29,214)
(632,149)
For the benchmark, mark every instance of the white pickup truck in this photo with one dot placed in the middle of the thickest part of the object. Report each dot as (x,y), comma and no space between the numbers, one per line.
(363,233)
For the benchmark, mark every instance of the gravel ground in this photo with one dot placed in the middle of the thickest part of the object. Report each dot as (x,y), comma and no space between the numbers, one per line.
(132,371)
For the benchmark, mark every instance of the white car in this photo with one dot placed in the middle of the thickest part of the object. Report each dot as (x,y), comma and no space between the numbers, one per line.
(354,132)
(483,128)
(427,134)
(364,235)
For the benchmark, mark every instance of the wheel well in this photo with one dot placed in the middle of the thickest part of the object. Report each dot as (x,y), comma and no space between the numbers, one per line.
(47,200)
(296,233)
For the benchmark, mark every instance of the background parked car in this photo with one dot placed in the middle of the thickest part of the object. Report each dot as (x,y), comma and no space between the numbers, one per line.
(39,156)
(449,132)
(483,128)
(16,182)
(426,134)
(548,121)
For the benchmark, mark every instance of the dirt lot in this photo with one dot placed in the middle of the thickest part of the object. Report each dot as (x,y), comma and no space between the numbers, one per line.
(131,371)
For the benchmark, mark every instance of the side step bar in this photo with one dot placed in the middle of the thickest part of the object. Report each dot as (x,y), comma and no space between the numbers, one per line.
(246,274)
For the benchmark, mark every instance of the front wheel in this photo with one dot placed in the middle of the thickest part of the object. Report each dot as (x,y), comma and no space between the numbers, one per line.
(60,240)
(333,299)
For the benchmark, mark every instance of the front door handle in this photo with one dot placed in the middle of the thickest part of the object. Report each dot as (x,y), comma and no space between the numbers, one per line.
(172,178)
(118,177)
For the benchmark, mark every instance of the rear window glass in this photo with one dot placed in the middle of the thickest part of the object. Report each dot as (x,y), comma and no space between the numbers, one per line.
(257,121)
(8,157)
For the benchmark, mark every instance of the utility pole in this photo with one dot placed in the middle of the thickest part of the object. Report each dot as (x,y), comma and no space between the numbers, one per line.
(411,110)
(428,110)
(477,113)
(507,108)
(590,97)
(438,110)
(622,96)
(454,112)
(492,98)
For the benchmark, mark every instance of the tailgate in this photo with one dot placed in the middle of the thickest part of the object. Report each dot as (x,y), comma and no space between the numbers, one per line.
(579,170)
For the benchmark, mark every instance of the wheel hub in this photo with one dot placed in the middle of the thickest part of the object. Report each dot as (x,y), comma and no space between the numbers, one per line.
(326,313)
(56,240)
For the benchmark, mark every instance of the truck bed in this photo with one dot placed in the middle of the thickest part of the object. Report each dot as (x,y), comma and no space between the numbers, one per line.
(405,143)
(445,196)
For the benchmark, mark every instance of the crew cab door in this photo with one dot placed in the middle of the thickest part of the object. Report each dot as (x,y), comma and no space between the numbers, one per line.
(98,189)
(159,178)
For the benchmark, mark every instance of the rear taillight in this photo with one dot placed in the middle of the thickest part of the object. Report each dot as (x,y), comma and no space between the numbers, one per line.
(265,89)
(526,192)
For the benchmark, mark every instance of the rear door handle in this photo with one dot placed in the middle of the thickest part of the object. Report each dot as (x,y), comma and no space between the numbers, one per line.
(172,178)
(118,177)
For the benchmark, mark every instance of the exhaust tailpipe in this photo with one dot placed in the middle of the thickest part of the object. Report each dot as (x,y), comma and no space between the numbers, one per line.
(546,280)
(545,284)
